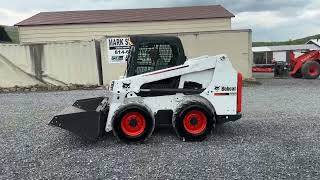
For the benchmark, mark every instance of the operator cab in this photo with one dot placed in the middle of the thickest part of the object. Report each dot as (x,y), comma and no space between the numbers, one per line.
(151,53)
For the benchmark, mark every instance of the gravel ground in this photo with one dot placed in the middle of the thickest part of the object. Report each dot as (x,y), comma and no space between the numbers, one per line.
(278,137)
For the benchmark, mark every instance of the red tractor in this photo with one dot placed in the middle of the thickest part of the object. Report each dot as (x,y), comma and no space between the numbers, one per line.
(305,66)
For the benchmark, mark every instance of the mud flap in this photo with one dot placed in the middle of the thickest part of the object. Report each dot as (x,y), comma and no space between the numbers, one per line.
(82,119)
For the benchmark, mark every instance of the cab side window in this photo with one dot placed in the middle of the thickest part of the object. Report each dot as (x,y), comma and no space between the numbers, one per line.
(155,56)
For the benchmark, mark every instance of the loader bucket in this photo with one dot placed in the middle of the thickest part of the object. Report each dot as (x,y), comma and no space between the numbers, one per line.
(82,118)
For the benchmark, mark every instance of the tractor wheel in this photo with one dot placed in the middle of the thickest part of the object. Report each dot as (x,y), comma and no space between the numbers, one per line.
(311,70)
(133,123)
(193,121)
(298,74)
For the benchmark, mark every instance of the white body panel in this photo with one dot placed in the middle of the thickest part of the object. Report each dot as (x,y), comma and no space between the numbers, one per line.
(215,73)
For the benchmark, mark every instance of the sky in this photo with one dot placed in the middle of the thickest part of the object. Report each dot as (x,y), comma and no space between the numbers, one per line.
(270,20)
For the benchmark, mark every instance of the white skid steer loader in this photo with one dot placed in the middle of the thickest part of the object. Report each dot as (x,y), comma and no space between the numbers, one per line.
(160,88)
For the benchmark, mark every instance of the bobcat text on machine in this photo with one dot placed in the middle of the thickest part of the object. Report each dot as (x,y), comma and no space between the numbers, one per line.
(160,88)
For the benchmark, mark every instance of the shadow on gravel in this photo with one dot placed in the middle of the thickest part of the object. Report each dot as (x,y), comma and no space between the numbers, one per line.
(160,134)
(74,142)
(248,131)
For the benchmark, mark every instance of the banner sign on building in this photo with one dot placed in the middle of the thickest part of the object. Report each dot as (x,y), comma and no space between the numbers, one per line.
(118,49)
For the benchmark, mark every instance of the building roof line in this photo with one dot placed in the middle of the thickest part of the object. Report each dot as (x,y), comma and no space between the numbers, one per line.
(286,48)
(127,15)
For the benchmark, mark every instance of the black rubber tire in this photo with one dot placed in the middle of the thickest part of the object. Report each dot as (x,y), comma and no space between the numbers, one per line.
(183,110)
(298,74)
(122,111)
(305,70)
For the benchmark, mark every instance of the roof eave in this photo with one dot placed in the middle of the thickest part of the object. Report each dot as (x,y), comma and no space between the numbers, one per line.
(22,24)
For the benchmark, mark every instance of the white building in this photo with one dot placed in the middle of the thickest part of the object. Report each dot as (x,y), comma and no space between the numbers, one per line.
(267,54)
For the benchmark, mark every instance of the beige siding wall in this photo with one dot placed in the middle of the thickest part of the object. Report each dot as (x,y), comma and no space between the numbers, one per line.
(19,55)
(75,62)
(71,63)
(11,75)
(41,34)
(62,63)
(16,66)
(235,44)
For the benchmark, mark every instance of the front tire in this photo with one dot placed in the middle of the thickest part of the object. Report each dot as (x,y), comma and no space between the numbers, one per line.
(311,70)
(298,74)
(193,121)
(133,123)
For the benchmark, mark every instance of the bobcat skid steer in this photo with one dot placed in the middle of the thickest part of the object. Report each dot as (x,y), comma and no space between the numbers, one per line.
(160,88)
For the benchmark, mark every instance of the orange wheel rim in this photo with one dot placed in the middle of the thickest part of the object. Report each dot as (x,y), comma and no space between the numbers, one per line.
(195,122)
(133,124)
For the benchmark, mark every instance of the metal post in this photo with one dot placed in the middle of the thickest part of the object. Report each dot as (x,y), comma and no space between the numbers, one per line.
(266,57)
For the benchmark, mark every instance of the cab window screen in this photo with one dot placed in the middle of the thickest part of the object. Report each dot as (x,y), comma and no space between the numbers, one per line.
(155,56)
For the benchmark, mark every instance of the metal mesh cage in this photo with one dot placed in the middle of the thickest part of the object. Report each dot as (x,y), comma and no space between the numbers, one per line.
(152,57)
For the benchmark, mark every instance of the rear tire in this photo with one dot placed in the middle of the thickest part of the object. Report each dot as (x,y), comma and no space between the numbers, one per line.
(133,123)
(193,121)
(311,70)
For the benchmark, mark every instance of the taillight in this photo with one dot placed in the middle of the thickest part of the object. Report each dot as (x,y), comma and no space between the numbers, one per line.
(239,93)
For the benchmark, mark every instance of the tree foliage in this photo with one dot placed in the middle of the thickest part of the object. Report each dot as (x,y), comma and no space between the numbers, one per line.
(289,42)
(4,36)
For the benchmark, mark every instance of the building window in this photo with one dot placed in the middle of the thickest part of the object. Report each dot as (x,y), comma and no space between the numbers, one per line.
(262,57)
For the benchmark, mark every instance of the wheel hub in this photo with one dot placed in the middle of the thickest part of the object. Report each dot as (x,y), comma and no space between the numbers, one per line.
(195,122)
(133,124)
(313,70)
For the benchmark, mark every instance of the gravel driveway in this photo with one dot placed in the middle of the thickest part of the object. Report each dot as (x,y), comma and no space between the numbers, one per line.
(278,137)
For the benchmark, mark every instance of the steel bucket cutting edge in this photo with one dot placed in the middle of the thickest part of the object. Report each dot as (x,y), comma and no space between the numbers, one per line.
(82,119)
